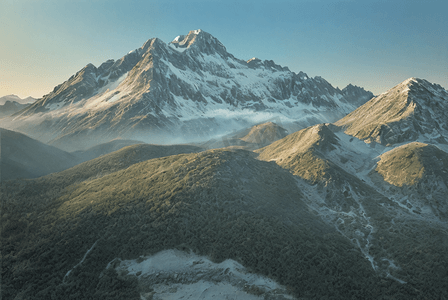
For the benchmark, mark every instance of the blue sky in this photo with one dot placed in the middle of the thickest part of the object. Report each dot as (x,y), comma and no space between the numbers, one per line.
(373,44)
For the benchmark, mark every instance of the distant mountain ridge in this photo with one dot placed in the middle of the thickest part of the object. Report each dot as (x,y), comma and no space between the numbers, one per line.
(15,98)
(24,157)
(10,108)
(189,88)
(12,104)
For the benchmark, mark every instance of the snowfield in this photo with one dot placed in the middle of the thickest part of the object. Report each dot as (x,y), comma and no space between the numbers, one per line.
(175,275)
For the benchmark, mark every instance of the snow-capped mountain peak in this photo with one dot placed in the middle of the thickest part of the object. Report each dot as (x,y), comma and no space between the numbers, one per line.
(200,40)
(190,87)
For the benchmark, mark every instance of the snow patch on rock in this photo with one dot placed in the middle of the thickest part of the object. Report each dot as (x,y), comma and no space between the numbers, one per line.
(175,275)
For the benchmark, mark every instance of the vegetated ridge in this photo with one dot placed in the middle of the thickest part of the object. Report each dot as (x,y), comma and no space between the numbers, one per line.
(219,203)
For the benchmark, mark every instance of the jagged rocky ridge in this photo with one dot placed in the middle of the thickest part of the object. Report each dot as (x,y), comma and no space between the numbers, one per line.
(189,88)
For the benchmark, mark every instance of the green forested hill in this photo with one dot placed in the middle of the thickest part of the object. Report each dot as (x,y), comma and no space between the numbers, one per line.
(219,203)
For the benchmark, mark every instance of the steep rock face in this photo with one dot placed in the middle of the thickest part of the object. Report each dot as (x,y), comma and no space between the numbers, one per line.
(86,83)
(203,43)
(356,95)
(414,109)
(191,87)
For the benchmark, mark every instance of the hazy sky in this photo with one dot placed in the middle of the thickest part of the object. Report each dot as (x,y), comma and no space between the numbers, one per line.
(373,44)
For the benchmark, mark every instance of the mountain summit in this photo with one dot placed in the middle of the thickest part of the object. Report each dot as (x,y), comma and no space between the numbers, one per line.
(198,39)
(414,109)
(189,89)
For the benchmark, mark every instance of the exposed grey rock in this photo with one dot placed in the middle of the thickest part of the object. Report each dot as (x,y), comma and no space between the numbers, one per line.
(356,95)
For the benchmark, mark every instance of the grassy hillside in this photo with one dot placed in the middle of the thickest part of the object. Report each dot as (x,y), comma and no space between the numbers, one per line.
(411,163)
(251,138)
(418,172)
(223,204)
(265,134)
(299,152)
(103,149)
